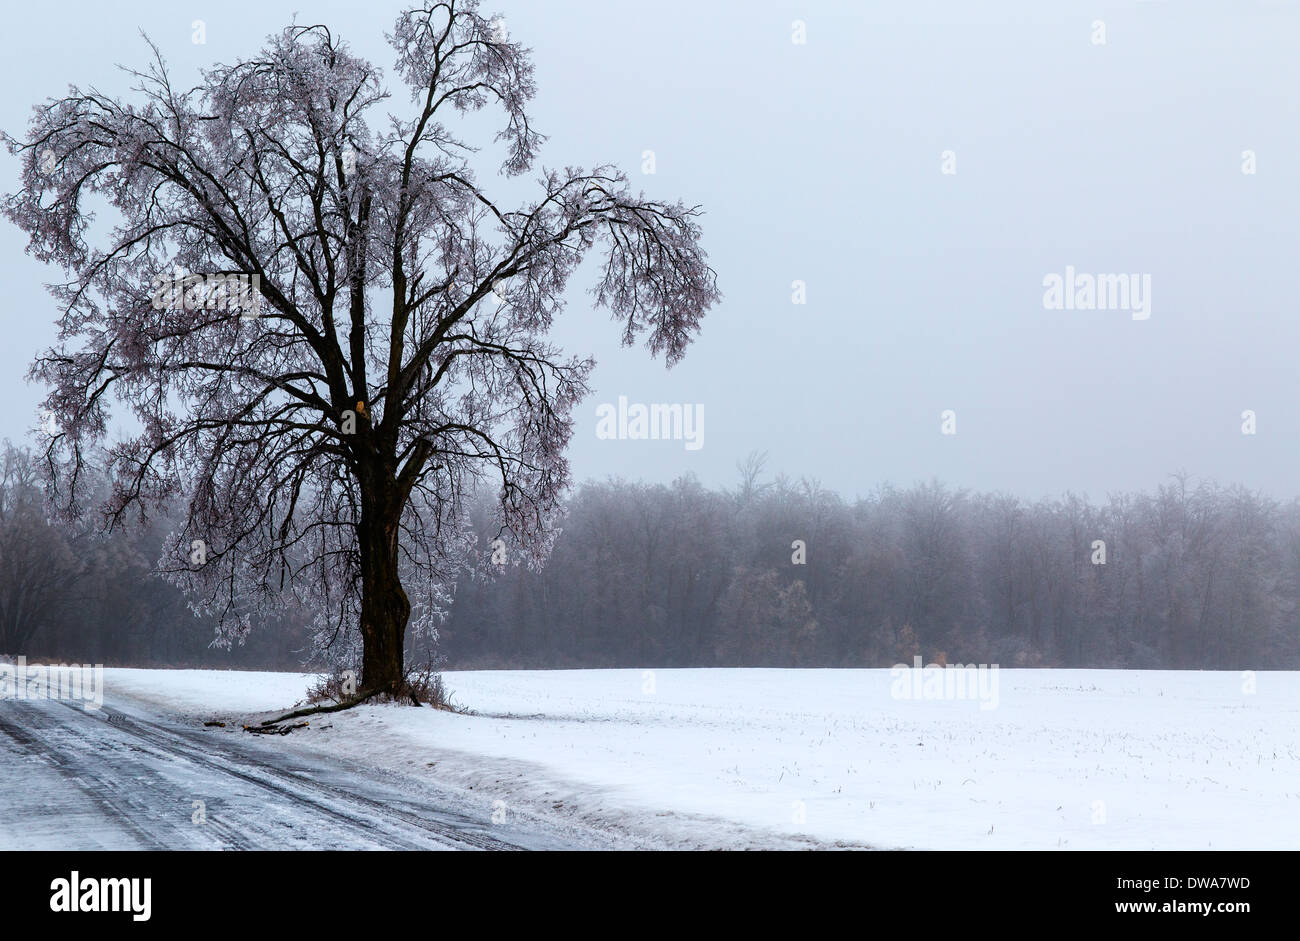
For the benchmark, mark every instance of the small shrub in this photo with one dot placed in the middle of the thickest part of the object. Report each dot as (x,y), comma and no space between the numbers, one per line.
(422,686)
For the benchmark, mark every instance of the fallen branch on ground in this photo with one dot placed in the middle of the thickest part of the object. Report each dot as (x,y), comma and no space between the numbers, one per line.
(265,729)
(332,707)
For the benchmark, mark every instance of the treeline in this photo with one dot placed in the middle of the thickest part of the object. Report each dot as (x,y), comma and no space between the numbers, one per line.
(766,573)
(789,574)
(71,593)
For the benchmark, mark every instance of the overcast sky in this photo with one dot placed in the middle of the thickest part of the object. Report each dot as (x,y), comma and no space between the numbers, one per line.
(823,162)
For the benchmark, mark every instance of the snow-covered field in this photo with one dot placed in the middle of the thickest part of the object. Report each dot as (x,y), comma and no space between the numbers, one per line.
(1070,759)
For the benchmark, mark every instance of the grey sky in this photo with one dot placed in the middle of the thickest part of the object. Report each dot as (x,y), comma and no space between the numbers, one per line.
(821,162)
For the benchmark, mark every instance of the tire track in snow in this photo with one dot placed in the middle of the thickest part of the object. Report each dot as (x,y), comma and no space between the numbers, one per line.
(361,813)
(102,791)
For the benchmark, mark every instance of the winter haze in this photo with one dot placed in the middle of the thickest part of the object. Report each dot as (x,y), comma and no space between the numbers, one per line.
(823,162)
(589,425)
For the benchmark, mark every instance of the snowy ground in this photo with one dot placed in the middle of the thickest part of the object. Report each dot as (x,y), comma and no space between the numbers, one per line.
(1071,759)
(72,779)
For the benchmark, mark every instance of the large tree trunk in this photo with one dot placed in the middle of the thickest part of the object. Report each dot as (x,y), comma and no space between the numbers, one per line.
(385,609)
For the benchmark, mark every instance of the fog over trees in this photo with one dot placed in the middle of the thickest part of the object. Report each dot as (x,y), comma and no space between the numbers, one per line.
(770,572)
(329,315)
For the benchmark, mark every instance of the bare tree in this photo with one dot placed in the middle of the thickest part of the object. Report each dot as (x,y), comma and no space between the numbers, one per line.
(750,469)
(326,432)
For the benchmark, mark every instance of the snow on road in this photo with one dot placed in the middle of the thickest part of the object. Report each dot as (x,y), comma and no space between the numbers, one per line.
(107,779)
(1070,759)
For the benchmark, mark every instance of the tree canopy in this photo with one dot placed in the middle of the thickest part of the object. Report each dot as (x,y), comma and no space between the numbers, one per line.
(326,427)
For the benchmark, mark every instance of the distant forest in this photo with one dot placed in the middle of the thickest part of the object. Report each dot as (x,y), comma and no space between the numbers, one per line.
(775,573)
